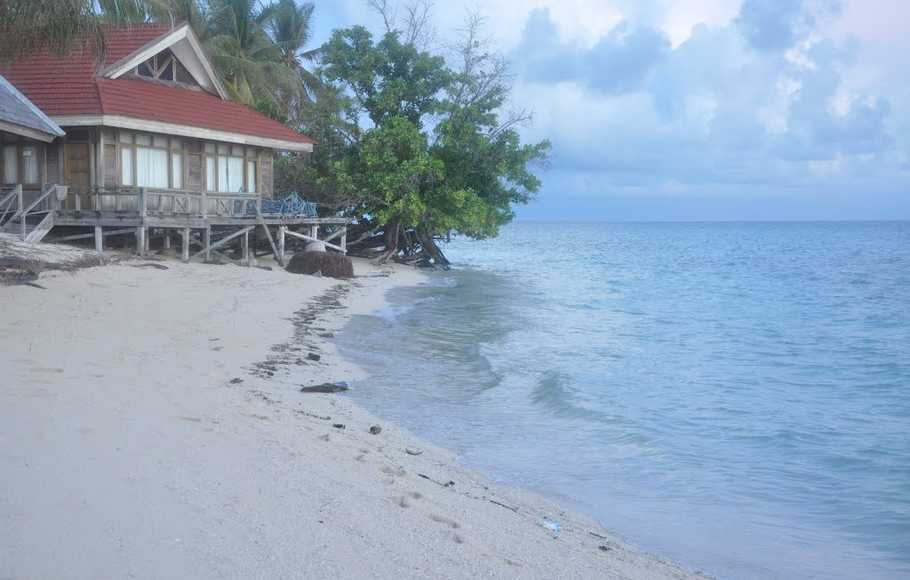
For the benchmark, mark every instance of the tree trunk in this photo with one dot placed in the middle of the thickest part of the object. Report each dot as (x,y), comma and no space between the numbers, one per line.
(391,234)
(430,247)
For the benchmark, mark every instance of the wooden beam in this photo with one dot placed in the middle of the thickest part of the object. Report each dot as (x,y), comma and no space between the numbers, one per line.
(245,246)
(281,242)
(119,232)
(268,234)
(224,240)
(99,240)
(311,239)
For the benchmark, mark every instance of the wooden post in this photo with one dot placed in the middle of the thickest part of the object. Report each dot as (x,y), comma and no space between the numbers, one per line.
(204,200)
(141,235)
(143,207)
(314,231)
(186,244)
(281,236)
(99,240)
(207,242)
(245,247)
(167,241)
(344,239)
(21,200)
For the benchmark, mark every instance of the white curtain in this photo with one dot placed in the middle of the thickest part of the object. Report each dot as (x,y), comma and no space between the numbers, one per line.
(223,174)
(230,174)
(177,170)
(126,166)
(210,173)
(10,165)
(235,174)
(30,164)
(151,167)
(251,176)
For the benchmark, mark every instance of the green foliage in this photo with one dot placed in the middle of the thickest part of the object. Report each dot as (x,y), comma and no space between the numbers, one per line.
(432,152)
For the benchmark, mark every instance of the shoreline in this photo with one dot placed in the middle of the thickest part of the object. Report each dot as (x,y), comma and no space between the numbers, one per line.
(156,424)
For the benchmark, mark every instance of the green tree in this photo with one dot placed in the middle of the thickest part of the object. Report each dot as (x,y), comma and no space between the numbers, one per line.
(433,154)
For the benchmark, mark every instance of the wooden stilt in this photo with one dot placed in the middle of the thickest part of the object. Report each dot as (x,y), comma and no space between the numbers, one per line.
(207,243)
(314,232)
(167,241)
(99,240)
(141,234)
(245,247)
(344,240)
(281,252)
(186,245)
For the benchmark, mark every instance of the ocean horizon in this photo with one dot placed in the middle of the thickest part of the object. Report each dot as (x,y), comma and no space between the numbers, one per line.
(732,395)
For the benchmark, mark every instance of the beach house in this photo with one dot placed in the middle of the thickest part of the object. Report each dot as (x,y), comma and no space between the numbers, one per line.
(141,138)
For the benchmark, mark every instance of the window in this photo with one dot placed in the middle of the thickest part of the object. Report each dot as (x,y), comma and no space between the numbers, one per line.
(151,167)
(10,164)
(30,164)
(251,175)
(154,161)
(176,170)
(126,166)
(210,174)
(165,67)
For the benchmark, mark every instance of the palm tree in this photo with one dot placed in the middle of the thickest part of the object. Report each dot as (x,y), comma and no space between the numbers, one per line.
(249,62)
(27,26)
(289,26)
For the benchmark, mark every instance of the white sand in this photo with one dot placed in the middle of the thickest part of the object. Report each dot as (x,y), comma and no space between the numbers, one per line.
(126,452)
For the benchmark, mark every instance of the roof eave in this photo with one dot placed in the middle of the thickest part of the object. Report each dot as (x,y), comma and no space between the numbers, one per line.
(189,131)
(29,132)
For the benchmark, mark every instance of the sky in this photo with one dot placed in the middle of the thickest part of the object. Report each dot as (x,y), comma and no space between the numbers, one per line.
(666,110)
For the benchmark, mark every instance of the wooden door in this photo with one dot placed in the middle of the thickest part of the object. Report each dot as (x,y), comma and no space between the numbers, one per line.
(77,174)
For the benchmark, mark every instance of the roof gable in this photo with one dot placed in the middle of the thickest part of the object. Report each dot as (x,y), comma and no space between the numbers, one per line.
(182,42)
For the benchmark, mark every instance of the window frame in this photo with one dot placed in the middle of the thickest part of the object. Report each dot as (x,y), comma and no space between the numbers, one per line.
(173,146)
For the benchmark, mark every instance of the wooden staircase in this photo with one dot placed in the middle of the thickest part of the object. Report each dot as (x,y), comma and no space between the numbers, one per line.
(29,223)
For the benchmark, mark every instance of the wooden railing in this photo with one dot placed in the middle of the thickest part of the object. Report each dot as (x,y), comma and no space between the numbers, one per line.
(13,208)
(170,202)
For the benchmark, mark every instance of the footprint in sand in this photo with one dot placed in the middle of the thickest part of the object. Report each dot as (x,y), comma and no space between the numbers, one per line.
(445,521)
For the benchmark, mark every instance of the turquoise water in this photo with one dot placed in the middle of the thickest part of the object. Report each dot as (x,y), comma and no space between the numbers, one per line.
(733,396)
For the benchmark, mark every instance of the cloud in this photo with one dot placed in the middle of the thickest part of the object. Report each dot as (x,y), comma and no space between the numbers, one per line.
(775,25)
(633,115)
(619,62)
(738,105)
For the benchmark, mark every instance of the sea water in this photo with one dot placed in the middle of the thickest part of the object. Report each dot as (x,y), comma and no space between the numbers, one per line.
(734,396)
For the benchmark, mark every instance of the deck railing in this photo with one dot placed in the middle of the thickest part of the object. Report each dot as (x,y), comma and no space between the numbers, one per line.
(168,202)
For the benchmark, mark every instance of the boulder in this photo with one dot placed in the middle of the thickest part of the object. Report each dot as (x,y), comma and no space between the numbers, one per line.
(315,247)
(327,263)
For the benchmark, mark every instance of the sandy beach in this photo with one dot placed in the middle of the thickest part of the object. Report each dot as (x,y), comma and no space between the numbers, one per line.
(151,426)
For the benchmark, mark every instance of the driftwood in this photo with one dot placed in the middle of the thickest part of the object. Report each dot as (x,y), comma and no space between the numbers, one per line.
(402,245)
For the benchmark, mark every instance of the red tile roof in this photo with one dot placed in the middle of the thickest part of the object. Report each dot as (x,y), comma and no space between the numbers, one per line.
(168,104)
(72,85)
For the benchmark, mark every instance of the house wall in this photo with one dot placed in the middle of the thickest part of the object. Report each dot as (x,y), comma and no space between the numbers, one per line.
(122,158)
(22,161)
